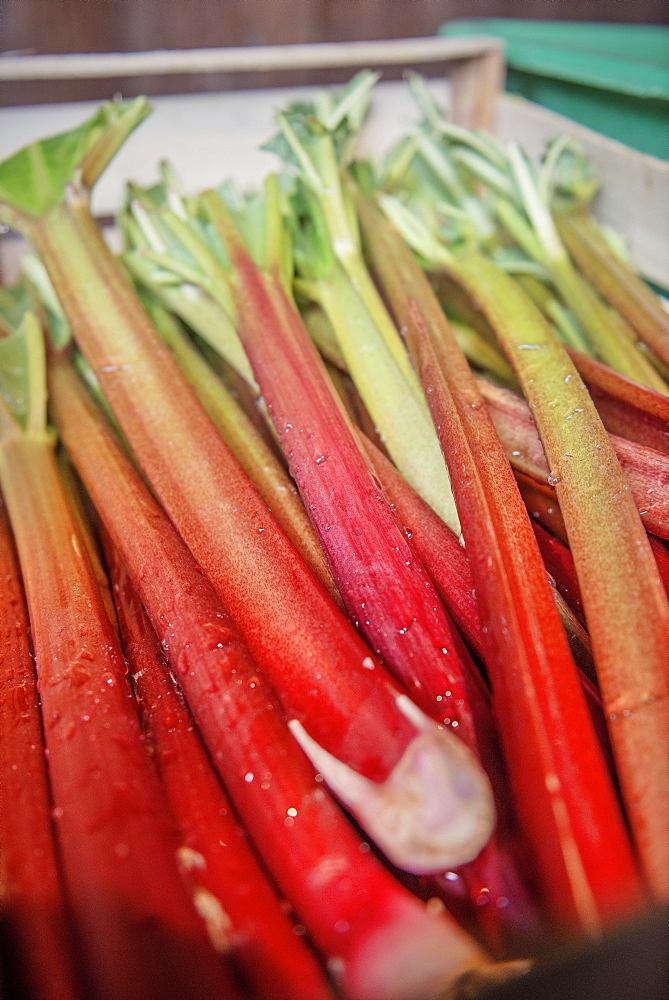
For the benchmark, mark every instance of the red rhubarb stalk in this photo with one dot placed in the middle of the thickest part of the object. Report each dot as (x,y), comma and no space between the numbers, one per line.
(32,903)
(379,942)
(244,917)
(661,553)
(541,504)
(560,564)
(137,932)
(296,632)
(625,605)
(436,545)
(386,589)
(384,585)
(563,793)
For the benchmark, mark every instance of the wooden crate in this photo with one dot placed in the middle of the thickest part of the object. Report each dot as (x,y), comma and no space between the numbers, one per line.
(209,137)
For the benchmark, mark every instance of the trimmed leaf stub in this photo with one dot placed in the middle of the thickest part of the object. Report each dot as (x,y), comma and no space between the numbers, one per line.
(34,179)
(434,811)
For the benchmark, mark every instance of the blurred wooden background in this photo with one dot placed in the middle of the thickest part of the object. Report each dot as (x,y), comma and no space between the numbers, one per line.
(58,26)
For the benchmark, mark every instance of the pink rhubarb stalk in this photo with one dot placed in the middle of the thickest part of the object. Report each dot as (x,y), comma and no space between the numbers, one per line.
(626,407)
(436,545)
(646,471)
(380,943)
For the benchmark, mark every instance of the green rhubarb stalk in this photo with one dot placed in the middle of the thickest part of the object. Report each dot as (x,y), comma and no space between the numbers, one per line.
(567,328)
(401,419)
(570,184)
(192,305)
(482,354)
(399,412)
(626,609)
(321,332)
(320,150)
(165,256)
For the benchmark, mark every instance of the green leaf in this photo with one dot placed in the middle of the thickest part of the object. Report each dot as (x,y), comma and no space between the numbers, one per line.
(14,303)
(23,374)
(337,118)
(312,248)
(34,179)
(280,146)
(570,173)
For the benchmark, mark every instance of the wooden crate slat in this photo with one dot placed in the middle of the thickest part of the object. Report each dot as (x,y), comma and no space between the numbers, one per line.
(245,58)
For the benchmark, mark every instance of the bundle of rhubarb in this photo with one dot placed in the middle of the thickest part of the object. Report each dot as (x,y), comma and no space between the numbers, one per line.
(336,623)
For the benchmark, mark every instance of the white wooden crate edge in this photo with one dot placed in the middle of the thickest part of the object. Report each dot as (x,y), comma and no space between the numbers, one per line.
(209,137)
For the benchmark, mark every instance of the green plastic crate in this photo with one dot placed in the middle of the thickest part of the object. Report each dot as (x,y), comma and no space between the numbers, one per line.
(611,77)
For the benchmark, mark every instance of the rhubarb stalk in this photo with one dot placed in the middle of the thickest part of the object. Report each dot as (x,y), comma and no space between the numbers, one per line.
(626,407)
(37,954)
(137,932)
(563,793)
(355,913)
(616,281)
(626,609)
(385,587)
(316,143)
(646,471)
(247,445)
(298,635)
(244,917)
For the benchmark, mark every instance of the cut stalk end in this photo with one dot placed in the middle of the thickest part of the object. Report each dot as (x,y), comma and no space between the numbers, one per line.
(417,955)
